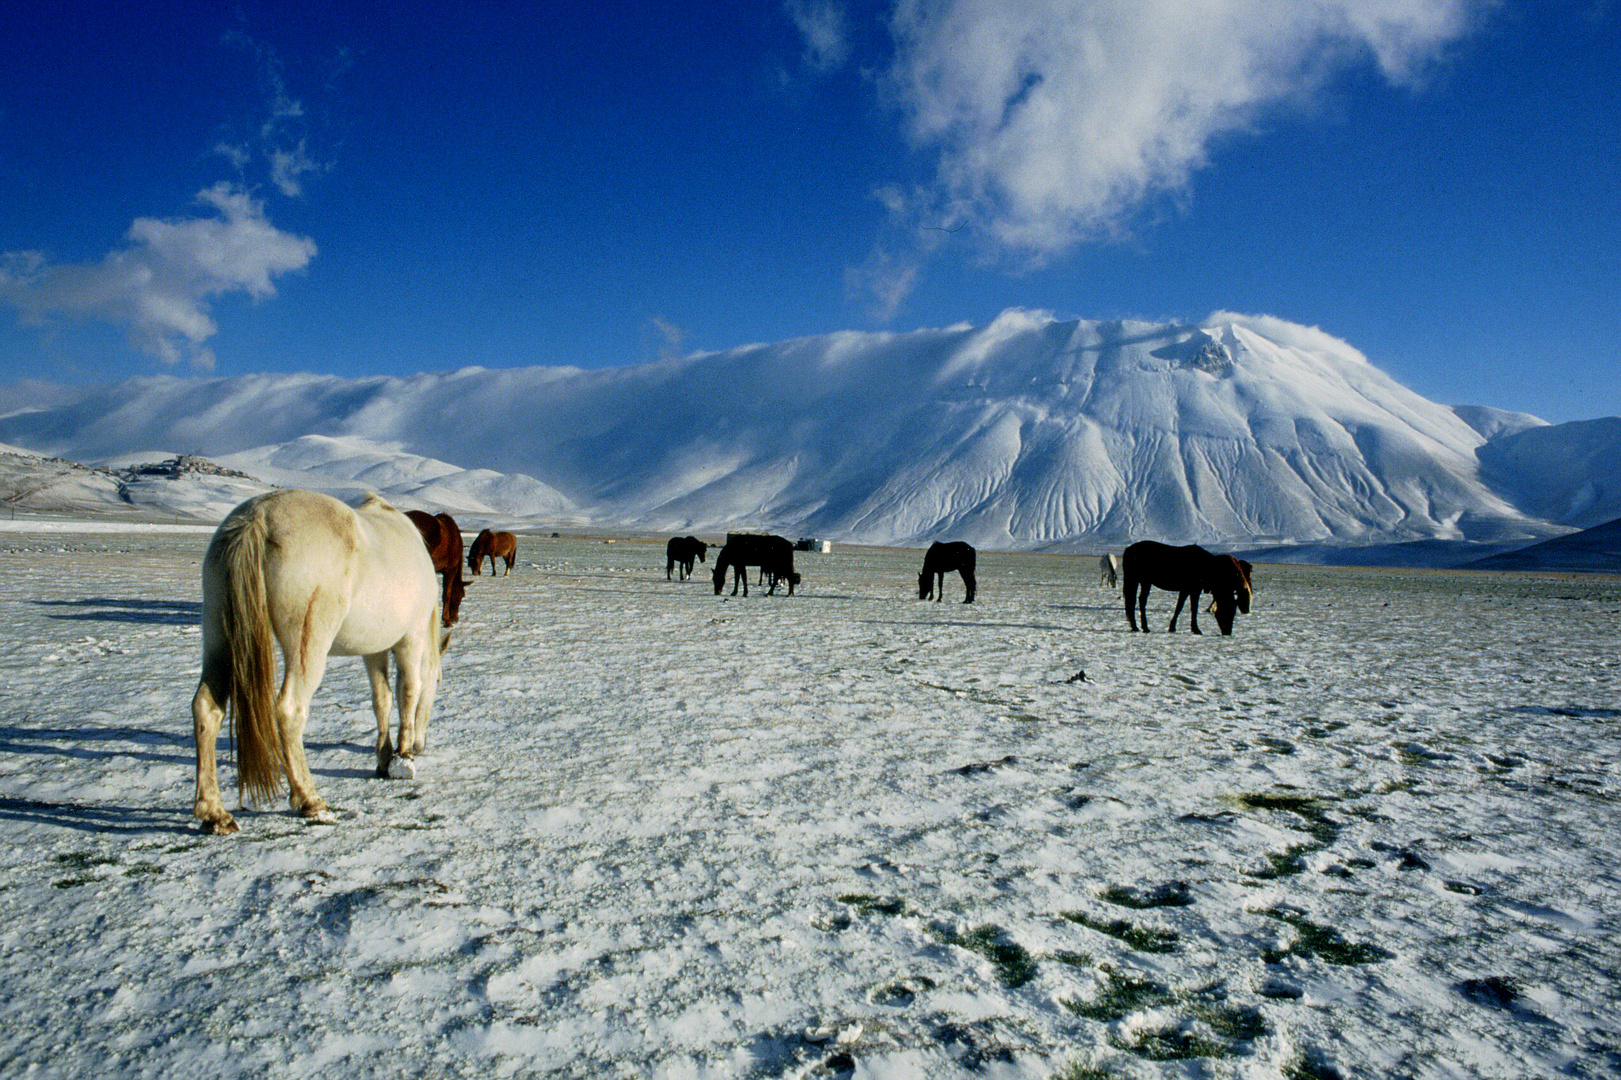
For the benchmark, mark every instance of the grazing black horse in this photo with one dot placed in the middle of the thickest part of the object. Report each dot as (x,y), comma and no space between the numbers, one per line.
(942,559)
(774,555)
(1188,571)
(681,551)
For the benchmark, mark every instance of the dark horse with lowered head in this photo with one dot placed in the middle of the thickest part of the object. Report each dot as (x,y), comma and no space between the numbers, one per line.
(492,545)
(681,551)
(1188,571)
(443,539)
(774,555)
(942,559)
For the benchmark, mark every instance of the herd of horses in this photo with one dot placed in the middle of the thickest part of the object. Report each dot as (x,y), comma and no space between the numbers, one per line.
(313,577)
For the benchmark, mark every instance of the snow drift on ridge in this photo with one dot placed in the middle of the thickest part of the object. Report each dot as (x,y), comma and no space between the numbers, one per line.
(1029,431)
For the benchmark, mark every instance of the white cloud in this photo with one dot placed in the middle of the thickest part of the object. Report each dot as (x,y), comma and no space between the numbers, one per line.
(822,25)
(159,285)
(1055,121)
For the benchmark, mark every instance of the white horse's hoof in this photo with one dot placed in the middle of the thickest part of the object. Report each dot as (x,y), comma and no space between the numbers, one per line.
(322,817)
(402,768)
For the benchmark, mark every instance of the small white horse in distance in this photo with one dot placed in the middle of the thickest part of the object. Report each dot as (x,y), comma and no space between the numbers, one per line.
(1110,565)
(302,570)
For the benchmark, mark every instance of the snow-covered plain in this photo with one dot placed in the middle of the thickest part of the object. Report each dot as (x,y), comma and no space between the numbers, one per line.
(663,833)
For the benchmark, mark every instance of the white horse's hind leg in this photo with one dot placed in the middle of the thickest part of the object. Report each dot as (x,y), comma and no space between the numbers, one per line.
(292,713)
(207,713)
(433,651)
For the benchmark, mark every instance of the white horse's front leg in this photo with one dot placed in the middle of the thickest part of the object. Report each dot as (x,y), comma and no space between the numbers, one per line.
(382,698)
(410,689)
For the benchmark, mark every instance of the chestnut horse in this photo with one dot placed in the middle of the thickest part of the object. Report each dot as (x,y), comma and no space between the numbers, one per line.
(303,571)
(942,559)
(492,545)
(1188,571)
(443,540)
(680,552)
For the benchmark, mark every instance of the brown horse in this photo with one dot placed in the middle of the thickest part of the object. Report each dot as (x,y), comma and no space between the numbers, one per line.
(443,539)
(1188,571)
(492,545)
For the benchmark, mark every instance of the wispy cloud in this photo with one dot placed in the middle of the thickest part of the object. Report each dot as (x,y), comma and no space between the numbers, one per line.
(1055,122)
(669,337)
(278,140)
(159,285)
(822,25)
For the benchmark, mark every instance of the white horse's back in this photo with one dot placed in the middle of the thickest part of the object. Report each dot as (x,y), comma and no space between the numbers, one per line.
(321,579)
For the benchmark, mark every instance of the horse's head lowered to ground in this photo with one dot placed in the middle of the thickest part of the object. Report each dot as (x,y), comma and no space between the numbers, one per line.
(1229,585)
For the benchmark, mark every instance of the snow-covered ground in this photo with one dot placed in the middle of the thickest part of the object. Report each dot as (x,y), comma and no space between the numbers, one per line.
(661,833)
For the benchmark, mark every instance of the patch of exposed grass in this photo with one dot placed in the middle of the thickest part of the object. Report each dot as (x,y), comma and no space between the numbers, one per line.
(1142,938)
(1014,964)
(1213,1028)
(874,905)
(1309,808)
(1233,1023)
(1284,863)
(80,860)
(1080,1070)
(1322,942)
(70,883)
(1122,995)
(1310,1066)
(1172,1044)
(1170,894)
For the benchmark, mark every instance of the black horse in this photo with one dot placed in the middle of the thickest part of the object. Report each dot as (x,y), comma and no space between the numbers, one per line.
(681,551)
(774,555)
(942,559)
(1188,571)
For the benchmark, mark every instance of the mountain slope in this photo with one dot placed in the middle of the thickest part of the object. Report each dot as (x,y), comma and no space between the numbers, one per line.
(1592,551)
(1566,474)
(1029,431)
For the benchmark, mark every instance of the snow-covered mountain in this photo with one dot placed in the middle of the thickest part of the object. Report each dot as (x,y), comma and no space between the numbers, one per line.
(1030,431)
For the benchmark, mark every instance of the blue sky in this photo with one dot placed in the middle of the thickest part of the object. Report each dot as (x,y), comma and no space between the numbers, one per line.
(350,189)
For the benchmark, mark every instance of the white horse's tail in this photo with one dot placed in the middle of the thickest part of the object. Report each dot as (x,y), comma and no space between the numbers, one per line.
(260,764)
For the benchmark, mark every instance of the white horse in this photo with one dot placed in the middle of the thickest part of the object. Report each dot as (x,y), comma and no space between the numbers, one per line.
(1110,565)
(304,571)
